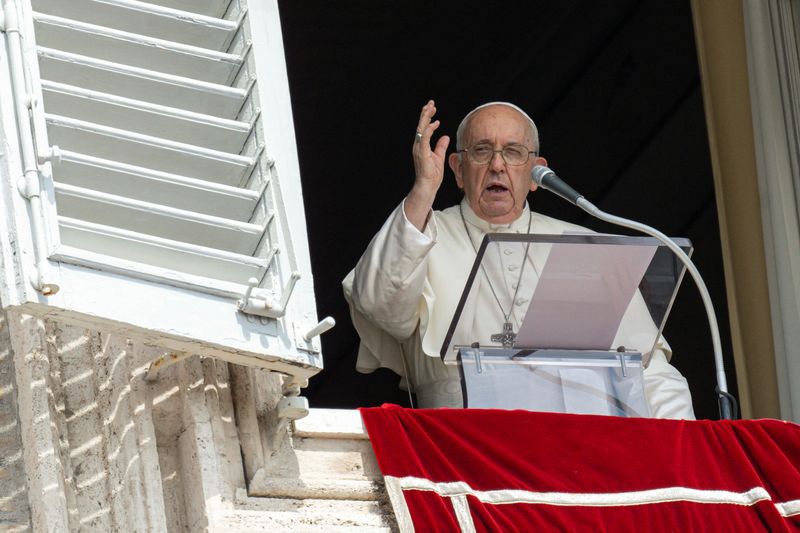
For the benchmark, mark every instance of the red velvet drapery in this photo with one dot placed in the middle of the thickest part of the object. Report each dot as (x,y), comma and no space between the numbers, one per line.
(494,470)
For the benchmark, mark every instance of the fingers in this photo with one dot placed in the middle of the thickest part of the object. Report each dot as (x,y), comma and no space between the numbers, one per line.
(428,110)
(428,162)
(441,146)
(428,134)
(424,126)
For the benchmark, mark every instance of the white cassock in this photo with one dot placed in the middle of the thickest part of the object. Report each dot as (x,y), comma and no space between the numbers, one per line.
(406,286)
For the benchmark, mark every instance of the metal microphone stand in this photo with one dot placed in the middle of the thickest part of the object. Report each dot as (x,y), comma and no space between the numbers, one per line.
(726,401)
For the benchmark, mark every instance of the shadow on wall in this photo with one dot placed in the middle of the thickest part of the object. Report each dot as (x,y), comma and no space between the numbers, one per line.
(15,514)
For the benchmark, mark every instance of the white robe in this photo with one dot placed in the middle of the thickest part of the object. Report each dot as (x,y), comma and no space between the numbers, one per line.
(405,289)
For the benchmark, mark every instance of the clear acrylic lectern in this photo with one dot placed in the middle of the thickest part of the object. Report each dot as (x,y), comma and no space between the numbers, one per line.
(562,323)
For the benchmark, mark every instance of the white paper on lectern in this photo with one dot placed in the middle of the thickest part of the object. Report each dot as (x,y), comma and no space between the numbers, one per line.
(582,295)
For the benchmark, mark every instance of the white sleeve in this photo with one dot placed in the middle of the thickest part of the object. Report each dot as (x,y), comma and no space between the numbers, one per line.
(389,278)
(666,390)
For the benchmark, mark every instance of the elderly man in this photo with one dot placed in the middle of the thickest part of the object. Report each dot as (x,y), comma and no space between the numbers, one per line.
(406,286)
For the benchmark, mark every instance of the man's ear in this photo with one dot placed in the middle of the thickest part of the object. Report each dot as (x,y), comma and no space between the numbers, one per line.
(537,161)
(454,160)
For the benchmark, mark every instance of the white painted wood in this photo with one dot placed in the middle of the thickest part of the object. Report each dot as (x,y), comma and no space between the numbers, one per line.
(135,49)
(157,252)
(142,117)
(162,261)
(141,84)
(211,8)
(272,93)
(16,243)
(148,151)
(147,19)
(156,220)
(138,183)
(174,318)
(27,129)
(129,262)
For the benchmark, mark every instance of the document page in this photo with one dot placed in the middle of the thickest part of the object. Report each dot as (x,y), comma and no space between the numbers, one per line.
(582,294)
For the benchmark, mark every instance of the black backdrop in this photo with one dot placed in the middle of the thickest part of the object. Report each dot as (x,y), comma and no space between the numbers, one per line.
(613,86)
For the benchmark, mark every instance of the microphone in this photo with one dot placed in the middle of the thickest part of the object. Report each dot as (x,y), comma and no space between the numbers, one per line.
(547,179)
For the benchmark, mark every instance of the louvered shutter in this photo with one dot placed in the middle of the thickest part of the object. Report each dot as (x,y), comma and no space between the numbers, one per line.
(171,207)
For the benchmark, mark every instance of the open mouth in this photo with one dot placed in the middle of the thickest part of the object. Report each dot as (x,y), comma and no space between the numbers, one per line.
(496,188)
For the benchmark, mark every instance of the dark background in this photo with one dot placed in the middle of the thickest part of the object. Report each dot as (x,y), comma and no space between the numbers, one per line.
(613,86)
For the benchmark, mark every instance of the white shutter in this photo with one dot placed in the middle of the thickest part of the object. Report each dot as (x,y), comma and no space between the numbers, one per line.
(175,181)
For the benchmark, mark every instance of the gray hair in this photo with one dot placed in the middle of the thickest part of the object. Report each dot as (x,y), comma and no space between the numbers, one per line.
(462,128)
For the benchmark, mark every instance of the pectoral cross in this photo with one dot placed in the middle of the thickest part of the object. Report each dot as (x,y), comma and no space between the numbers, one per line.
(506,338)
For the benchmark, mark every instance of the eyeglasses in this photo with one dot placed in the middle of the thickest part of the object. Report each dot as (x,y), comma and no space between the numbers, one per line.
(513,154)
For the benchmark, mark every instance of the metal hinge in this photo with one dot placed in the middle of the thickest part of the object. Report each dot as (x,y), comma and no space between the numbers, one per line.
(263,302)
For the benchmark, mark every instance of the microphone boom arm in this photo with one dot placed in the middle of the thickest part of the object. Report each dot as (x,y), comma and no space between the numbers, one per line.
(725,399)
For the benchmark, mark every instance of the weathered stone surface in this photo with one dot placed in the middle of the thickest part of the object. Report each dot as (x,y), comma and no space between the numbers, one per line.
(43,441)
(287,514)
(317,488)
(332,424)
(14,509)
(87,444)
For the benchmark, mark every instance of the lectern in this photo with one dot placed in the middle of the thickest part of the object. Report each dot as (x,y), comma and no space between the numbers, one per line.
(562,323)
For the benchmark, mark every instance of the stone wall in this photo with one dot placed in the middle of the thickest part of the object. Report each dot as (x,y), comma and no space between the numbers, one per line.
(101,449)
(87,443)
(15,513)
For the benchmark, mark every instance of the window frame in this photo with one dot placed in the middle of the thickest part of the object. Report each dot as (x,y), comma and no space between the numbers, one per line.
(165,308)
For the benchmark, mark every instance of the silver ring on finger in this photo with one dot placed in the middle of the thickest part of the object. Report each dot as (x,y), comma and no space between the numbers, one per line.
(418,137)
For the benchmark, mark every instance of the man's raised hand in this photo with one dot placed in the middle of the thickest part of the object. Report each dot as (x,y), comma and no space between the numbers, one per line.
(428,167)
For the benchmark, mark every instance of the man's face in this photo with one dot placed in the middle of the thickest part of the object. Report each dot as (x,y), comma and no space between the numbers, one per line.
(496,191)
